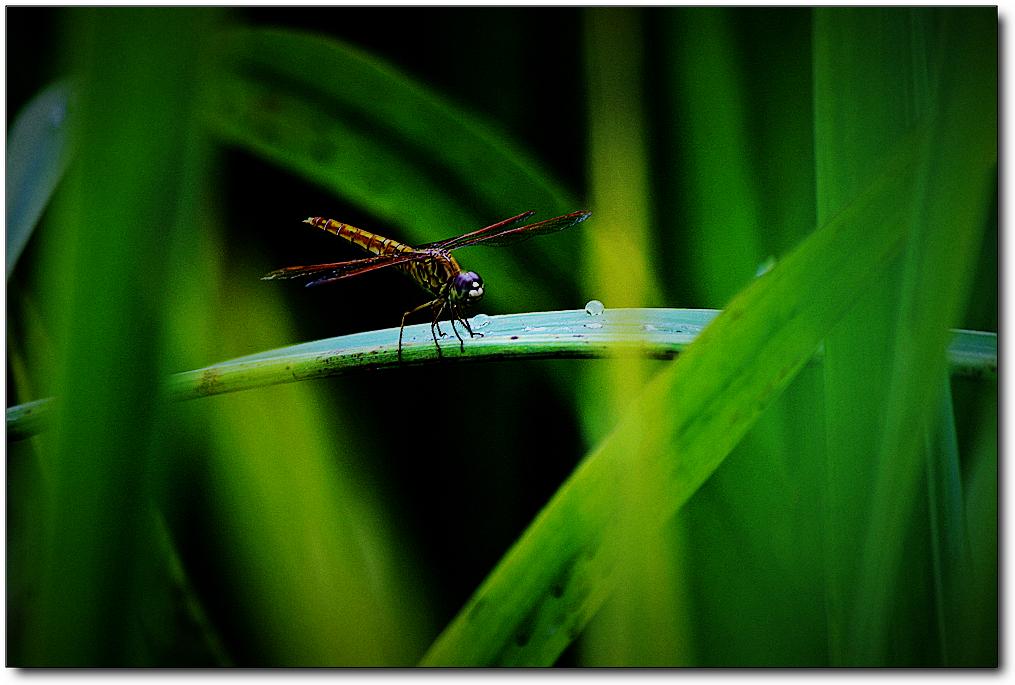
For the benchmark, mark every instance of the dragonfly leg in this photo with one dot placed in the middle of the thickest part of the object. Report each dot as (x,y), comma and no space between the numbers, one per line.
(401,330)
(435,324)
(434,334)
(456,313)
(465,320)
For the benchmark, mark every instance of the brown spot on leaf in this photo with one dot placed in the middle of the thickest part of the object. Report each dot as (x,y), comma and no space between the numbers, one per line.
(211,381)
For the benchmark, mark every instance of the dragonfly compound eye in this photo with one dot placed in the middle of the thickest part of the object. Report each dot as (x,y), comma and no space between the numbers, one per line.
(469,286)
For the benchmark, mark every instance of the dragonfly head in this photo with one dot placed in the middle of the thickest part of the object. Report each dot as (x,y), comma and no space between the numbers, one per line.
(467,287)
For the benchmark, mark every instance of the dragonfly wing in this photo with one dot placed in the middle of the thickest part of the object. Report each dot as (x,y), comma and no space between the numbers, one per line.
(299,271)
(516,234)
(469,238)
(339,270)
(351,270)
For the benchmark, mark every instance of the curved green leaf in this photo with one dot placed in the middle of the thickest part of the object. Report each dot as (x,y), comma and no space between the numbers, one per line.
(38,151)
(558,573)
(138,71)
(25,420)
(650,333)
(378,139)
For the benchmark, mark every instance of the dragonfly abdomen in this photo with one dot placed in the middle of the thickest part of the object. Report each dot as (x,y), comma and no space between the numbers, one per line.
(431,274)
(371,242)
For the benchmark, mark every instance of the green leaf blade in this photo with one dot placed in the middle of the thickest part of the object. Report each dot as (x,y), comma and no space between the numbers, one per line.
(697,410)
(647,333)
(38,152)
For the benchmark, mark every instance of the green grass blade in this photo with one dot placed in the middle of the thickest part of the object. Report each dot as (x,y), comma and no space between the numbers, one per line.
(38,151)
(719,197)
(175,629)
(557,574)
(640,624)
(862,72)
(980,644)
(307,539)
(879,73)
(566,334)
(284,473)
(973,354)
(956,189)
(737,191)
(138,73)
(651,333)
(25,420)
(950,550)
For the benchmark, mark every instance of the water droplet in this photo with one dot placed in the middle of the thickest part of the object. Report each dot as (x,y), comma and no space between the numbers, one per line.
(594,325)
(480,320)
(594,308)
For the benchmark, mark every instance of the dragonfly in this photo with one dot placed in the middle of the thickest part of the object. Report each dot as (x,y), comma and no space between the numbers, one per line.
(431,266)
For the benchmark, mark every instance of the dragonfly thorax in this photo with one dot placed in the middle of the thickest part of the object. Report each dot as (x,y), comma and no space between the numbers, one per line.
(467,287)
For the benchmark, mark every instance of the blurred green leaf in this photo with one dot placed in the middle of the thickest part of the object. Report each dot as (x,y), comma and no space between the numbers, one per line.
(950,549)
(308,542)
(719,192)
(979,643)
(689,418)
(863,76)
(739,162)
(38,151)
(137,74)
(25,420)
(877,393)
(956,188)
(641,623)
(356,126)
